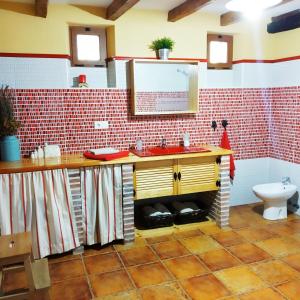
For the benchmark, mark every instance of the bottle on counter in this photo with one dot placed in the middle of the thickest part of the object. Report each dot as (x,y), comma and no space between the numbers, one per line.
(139,144)
(186,139)
(33,154)
(40,152)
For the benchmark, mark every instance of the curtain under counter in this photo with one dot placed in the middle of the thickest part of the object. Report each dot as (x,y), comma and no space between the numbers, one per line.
(39,202)
(64,209)
(101,190)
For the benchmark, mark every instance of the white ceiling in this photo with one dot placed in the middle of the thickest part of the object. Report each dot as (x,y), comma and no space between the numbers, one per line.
(216,6)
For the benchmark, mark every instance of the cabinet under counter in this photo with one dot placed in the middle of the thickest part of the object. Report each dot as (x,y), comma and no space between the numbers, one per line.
(176,177)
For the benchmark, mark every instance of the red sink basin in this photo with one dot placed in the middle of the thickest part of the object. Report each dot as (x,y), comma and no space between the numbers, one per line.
(156,151)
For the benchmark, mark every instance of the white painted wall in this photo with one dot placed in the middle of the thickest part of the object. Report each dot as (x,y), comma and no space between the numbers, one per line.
(280,168)
(285,74)
(249,172)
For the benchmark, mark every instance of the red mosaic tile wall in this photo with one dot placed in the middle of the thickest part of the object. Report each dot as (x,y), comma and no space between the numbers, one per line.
(285,124)
(260,120)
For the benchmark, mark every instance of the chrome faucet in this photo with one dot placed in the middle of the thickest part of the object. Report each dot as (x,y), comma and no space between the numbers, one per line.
(286,180)
(163,143)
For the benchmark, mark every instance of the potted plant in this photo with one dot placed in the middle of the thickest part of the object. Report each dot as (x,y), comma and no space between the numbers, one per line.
(162,47)
(9,145)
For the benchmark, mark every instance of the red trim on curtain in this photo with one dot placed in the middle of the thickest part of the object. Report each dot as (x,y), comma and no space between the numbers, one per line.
(23,201)
(58,212)
(46,214)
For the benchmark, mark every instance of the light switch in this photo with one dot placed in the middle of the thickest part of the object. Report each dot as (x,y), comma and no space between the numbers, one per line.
(101,125)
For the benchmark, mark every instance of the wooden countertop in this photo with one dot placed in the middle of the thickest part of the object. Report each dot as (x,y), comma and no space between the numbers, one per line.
(73,161)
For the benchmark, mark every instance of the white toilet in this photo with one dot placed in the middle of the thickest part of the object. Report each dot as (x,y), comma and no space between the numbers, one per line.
(275,196)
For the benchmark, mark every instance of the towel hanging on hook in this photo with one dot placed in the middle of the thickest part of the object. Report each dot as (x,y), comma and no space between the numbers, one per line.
(226,145)
(224,123)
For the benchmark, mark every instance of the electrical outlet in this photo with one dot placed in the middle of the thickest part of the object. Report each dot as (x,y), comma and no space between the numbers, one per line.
(101,125)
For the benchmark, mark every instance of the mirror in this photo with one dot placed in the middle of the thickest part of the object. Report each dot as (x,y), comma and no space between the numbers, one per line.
(164,86)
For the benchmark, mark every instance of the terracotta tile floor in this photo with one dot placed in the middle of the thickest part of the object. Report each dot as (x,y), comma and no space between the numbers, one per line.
(250,260)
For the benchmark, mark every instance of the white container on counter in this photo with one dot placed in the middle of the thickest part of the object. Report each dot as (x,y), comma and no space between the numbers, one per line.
(51,150)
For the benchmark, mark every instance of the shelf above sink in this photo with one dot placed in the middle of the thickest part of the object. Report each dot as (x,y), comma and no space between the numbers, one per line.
(157,151)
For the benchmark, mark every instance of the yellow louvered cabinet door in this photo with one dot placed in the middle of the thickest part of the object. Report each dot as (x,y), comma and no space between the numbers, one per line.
(197,175)
(154,179)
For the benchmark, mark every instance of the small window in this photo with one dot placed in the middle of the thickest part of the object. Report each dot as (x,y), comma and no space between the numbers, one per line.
(219,51)
(88,45)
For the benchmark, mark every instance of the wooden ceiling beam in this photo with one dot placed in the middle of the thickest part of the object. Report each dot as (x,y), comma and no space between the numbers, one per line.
(286,15)
(234,17)
(185,9)
(118,7)
(41,8)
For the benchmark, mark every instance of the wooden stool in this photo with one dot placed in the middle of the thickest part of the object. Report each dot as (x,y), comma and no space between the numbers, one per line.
(16,249)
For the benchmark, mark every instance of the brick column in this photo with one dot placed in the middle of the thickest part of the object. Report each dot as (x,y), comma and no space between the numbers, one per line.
(74,180)
(220,199)
(128,203)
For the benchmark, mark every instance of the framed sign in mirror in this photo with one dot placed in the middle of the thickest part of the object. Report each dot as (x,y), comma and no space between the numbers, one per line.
(164,86)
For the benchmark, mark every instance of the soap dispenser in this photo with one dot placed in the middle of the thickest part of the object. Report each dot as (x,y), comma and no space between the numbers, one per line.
(186,139)
(139,144)
(40,152)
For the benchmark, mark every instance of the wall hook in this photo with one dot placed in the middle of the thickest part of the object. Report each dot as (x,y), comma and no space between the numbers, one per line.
(214,125)
(224,123)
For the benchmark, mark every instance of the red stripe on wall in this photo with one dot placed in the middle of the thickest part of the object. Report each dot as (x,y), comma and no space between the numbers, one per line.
(287,58)
(66,56)
(266,61)
(35,55)
(254,61)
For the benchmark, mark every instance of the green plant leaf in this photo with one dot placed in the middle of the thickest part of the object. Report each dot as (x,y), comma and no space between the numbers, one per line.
(8,124)
(162,43)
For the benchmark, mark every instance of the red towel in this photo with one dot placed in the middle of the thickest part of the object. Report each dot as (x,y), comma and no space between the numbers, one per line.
(111,156)
(226,145)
